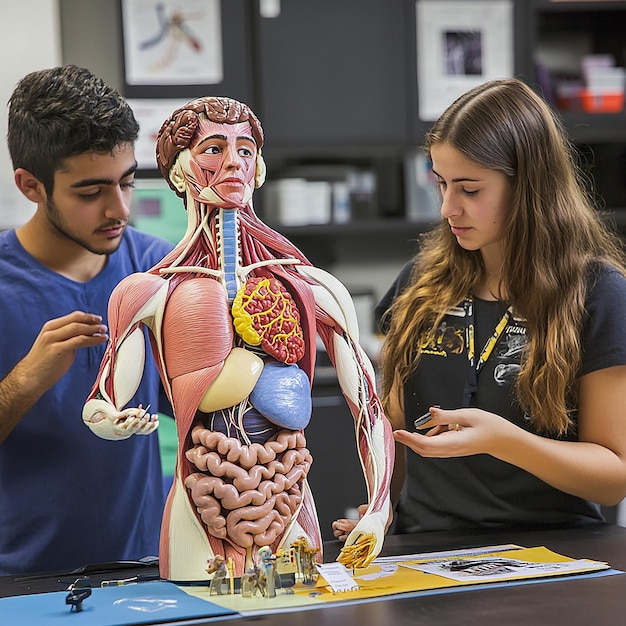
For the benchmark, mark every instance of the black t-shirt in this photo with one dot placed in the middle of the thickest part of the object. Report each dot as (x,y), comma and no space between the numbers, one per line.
(480,490)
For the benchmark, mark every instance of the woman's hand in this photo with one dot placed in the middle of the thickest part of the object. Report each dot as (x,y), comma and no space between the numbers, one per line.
(343,527)
(460,432)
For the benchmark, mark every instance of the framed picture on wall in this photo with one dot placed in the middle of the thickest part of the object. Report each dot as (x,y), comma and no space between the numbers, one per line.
(460,44)
(172,42)
(150,113)
(185,49)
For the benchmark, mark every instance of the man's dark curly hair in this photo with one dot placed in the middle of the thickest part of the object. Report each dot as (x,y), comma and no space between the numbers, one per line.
(62,112)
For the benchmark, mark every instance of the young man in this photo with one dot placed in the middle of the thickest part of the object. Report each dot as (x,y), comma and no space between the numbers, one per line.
(69,498)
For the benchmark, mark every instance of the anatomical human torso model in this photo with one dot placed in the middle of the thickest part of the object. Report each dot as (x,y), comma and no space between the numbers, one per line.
(232,315)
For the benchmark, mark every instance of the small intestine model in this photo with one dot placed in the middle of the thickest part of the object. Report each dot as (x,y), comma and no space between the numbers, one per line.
(232,315)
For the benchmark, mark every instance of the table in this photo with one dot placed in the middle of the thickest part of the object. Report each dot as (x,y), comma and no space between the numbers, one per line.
(599,600)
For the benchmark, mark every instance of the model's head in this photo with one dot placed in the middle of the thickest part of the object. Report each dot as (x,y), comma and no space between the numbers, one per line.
(58,113)
(208,145)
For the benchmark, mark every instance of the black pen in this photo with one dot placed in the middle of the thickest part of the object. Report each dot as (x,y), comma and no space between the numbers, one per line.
(422,420)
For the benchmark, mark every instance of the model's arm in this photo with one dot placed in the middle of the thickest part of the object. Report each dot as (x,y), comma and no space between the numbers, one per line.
(137,301)
(47,361)
(593,468)
(374,439)
(395,414)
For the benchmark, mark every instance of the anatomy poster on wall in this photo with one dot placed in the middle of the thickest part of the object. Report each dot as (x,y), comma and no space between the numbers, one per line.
(150,113)
(459,46)
(172,42)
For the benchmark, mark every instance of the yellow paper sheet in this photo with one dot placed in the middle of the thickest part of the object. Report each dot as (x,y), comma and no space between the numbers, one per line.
(397,577)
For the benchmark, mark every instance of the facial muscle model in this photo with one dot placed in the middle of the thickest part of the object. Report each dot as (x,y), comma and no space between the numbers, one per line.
(232,315)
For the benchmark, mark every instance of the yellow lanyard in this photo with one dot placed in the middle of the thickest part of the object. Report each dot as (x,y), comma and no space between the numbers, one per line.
(491,342)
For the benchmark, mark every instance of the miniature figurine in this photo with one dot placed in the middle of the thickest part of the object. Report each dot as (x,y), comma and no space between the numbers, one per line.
(230,566)
(252,581)
(214,563)
(268,562)
(217,567)
(306,558)
(232,315)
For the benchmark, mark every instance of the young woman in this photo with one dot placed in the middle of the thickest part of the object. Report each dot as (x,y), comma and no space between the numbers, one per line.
(506,334)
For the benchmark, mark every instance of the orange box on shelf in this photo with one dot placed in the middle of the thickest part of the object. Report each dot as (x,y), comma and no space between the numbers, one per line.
(569,102)
(602,102)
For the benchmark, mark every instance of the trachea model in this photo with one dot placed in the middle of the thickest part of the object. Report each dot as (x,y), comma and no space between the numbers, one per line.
(232,314)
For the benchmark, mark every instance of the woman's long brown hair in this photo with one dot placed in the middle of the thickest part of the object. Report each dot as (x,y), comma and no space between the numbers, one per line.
(552,233)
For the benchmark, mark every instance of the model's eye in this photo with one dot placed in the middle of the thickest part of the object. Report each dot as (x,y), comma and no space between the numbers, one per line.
(469,192)
(212,150)
(245,152)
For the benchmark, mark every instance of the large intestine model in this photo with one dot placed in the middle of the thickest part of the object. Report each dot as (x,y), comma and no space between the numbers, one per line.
(232,315)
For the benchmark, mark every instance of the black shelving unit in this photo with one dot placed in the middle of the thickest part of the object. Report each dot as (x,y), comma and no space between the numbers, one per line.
(584,28)
(335,81)
(601,137)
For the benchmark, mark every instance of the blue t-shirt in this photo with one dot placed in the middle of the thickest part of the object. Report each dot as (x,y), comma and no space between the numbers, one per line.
(67,497)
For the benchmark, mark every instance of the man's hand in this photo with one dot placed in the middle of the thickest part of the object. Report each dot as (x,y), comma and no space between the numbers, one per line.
(47,361)
(53,352)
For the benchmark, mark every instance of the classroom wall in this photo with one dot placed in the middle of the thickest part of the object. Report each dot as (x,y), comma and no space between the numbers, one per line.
(29,40)
(91,37)
(41,33)
(356,266)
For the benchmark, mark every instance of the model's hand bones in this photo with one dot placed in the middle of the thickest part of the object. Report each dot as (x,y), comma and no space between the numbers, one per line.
(366,540)
(107,423)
